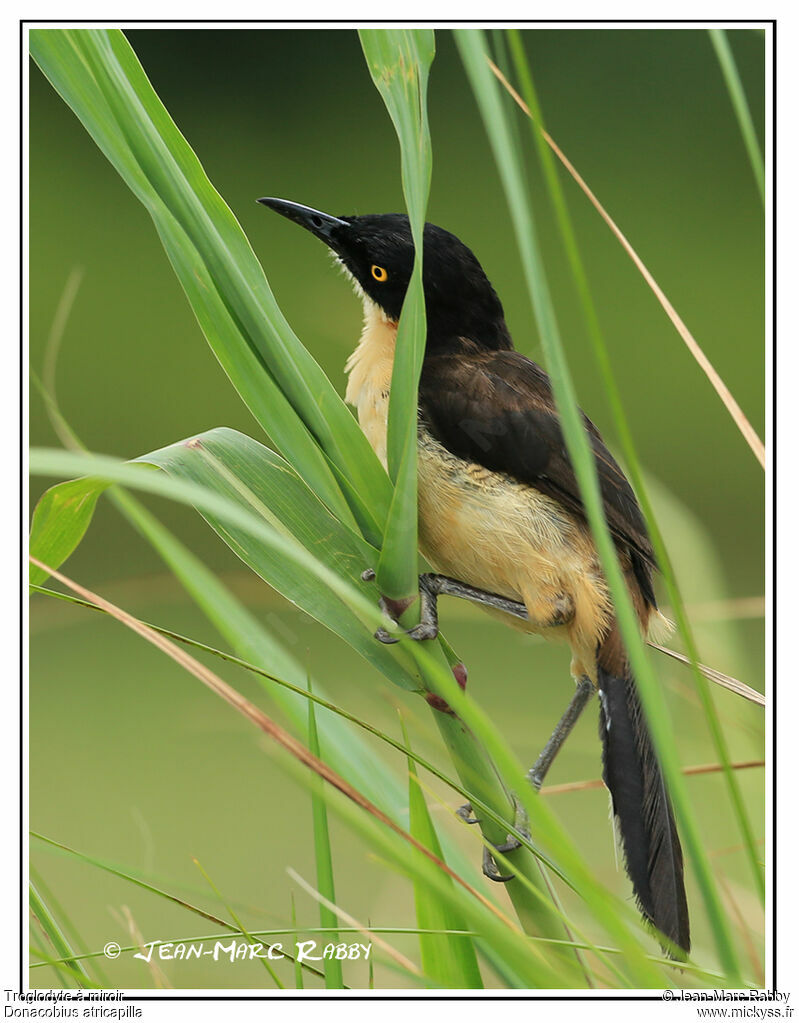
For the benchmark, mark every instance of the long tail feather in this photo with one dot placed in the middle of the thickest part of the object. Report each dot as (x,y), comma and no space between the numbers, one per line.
(652,852)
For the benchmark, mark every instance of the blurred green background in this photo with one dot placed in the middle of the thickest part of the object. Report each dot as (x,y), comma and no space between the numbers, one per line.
(130,760)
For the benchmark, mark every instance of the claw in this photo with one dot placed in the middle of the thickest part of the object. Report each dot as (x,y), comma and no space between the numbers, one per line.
(426,629)
(418,632)
(422,631)
(466,814)
(490,868)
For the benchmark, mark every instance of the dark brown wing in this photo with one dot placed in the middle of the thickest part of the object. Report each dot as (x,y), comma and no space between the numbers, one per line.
(497,409)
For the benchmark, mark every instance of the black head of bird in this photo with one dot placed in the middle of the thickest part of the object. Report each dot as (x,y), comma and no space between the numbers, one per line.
(377,251)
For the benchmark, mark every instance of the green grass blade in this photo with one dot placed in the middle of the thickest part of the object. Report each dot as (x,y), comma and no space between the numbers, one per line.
(237,921)
(60,966)
(630,454)
(323,853)
(473,53)
(298,981)
(129,875)
(68,925)
(399,62)
(365,757)
(51,930)
(524,965)
(732,79)
(449,960)
(98,75)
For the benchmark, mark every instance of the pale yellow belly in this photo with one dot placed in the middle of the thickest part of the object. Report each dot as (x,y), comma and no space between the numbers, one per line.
(485,528)
(489,531)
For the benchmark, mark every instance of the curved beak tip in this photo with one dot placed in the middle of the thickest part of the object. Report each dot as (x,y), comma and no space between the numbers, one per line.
(318,223)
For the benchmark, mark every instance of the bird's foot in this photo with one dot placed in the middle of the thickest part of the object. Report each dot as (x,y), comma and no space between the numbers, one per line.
(427,627)
(521,824)
(466,814)
(418,632)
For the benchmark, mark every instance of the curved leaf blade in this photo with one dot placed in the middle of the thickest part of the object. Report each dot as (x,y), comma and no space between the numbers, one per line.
(399,62)
(60,520)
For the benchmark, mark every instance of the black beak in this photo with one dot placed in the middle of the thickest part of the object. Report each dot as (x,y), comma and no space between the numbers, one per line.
(325,227)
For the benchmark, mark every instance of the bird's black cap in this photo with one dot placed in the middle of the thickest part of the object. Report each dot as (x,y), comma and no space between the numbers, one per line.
(378,251)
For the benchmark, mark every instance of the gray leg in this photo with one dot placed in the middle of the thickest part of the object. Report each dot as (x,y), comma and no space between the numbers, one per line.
(537,772)
(431,587)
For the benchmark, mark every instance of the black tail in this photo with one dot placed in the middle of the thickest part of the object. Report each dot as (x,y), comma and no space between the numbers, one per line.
(652,852)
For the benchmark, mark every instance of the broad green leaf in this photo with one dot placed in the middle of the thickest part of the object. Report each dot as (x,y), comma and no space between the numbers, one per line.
(261,482)
(98,75)
(399,61)
(238,509)
(60,520)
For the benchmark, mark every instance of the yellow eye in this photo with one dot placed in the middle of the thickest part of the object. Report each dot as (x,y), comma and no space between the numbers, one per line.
(379,273)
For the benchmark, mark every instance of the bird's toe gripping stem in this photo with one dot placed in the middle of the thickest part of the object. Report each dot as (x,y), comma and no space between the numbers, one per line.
(521,824)
(428,611)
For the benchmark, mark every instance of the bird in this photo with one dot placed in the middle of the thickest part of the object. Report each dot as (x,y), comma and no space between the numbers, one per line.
(500,514)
